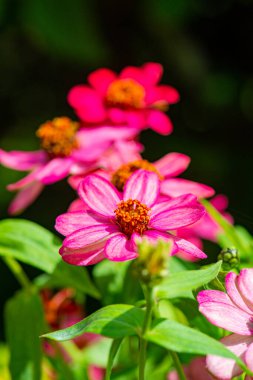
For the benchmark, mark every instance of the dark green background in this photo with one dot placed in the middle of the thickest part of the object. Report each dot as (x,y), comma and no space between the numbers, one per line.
(206,48)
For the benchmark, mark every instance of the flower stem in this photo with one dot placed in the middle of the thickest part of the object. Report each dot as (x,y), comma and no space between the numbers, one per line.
(18,272)
(143,343)
(178,366)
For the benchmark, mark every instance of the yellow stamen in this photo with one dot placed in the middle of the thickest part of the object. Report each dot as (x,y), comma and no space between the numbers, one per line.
(125,93)
(58,136)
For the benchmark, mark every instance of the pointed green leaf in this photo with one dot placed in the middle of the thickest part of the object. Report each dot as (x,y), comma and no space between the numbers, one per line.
(24,324)
(114,321)
(180,338)
(180,284)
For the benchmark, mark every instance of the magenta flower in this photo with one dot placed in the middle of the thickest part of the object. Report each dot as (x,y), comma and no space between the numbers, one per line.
(65,150)
(114,220)
(167,169)
(132,98)
(196,370)
(233,312)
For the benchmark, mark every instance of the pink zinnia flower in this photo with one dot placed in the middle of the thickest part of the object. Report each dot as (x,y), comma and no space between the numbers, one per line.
(132,98)
(65,150)
(167,168)
(232,311)
(196,370)
(114,220)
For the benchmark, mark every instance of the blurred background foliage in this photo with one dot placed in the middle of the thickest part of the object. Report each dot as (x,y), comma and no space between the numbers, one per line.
(206,50)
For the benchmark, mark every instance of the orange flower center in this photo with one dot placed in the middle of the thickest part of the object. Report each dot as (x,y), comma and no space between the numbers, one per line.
(132,216)
(58,136)
(125,93)
(120,177)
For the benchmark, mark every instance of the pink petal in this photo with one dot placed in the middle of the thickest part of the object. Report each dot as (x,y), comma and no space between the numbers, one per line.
(99,194)
(136,119)
(220,202)
(189,248)
(23,182)
(119,248)
(70,222)
(136,73)
(89,236)
(174,187)
(162,94)
(226,369)
(100,79)
(143,186)
(82,256)
(249,356)
(153,72)
(228,317)
(55,170)
(172,164)
(159,122)
(245,285)
(214,296)
(154,235)
(234,294)
(19,160)
(96,373)
(87,104)
(177,217)
(164,203)
(25,197)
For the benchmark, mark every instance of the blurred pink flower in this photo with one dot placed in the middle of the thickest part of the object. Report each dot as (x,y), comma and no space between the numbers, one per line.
(232,311)
(112,222)
(167,168)
(206,228)
(131,98)
(65,150)
(96,373)
(196,370)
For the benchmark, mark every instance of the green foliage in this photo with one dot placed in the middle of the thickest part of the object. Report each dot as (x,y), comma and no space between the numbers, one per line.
(34,245)
(180,338)
(114,321)
(180,284)
(24,324)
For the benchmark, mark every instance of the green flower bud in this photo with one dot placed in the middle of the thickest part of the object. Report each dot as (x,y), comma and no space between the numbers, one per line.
(230,258)
(151,266)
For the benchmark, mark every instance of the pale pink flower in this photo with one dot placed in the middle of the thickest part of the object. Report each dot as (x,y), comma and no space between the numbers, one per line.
(206,228)
(65,150)
(131,98)
(114,220)
(232,311)
(196,370)
(167,168)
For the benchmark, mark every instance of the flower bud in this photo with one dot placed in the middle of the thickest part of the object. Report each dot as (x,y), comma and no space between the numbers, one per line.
(230,258)
(152,263)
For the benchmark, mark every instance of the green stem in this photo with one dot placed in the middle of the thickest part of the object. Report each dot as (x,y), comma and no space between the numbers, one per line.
(113,351)
(143,343)
(178,366)
(18,272)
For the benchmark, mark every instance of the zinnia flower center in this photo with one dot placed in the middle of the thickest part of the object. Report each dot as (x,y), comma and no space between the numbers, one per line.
(132,216)
(58,136)
(125,93)
(121,175)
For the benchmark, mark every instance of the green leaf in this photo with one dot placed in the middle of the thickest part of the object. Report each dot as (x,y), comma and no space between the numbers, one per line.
(180,338)
(180,284)
(34,245)
(66,275)
(113,352)
(24,324)
(29,243)
(114,321)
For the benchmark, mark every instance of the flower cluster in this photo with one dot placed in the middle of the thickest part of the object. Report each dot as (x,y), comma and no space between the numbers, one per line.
(128,208)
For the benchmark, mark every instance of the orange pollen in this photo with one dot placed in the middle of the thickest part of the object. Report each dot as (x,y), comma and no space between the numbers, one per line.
(125,93)
(132,216)
(120,177)
(58,136)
